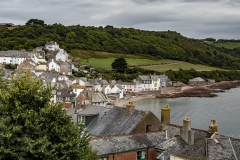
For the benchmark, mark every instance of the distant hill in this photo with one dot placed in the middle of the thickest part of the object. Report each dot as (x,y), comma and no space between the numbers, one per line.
(160,45)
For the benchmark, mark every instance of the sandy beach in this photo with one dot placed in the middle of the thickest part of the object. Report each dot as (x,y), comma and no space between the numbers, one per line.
(129,98)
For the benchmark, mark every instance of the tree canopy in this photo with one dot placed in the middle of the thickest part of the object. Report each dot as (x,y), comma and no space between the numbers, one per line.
(33,127)
(157,44)
(119,65)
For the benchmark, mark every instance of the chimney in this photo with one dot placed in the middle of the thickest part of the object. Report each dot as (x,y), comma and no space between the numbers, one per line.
(186,133)
(165,115)
(130,105)
(212,128)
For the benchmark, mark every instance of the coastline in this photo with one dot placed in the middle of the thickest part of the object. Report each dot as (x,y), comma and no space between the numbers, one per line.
(186,91)
(130,98)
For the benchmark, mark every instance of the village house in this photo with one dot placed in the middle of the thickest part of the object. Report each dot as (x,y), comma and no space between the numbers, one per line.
(172,142)
(17,57)
(137,146)
(153,82)
(77,89)
(113,91)
(90,97)
(65,95)
(120,120)
(53,66)
(198,81)
(52,46)
(128,87)
(66,68)
(27,65)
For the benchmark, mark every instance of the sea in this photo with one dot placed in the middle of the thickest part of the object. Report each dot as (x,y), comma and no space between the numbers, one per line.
(225,108)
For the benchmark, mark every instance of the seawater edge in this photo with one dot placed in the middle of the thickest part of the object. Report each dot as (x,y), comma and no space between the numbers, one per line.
(224,108)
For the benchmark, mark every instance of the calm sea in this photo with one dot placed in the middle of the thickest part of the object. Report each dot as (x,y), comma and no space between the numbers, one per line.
(225,109)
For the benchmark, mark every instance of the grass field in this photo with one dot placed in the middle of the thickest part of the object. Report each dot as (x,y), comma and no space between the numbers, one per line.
(229,45)
(157,65)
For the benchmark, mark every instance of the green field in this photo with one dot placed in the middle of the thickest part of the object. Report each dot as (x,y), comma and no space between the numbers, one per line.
(229,45)
(157,65)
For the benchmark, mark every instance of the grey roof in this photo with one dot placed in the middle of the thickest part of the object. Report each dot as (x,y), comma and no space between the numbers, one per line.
(65,93)
(18,54)
(214,149)
(197,79)
(125,143)
(144,77)
(196,151)
(170,146)
(127,83)
(116,121)
(220,148)
(90,110)
(98,97)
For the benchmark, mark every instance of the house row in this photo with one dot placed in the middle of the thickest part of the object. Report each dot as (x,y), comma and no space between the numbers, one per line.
(145,83)
(127,133)
(17,57)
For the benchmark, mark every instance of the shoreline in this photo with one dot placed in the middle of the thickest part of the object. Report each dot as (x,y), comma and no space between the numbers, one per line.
(186,91)
(130,98)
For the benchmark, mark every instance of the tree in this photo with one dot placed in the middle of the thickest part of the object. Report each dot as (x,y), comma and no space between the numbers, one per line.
(35,21)
(119,65)
(33,127)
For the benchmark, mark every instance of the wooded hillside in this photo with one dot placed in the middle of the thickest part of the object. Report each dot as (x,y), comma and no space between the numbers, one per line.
(162,44)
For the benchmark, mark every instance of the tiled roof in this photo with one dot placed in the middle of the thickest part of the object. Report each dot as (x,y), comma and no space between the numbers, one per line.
(197,79)
(90,110)
(125,143)
(117,121)
(98,97)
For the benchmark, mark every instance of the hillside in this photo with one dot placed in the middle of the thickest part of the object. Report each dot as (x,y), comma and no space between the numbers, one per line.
(160,45)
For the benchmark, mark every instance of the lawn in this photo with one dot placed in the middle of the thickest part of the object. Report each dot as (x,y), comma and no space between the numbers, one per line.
(229,45)
(158,65)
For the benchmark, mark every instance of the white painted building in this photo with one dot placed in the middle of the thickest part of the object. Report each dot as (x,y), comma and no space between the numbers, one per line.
(53,66)
(52,46)
(62,56)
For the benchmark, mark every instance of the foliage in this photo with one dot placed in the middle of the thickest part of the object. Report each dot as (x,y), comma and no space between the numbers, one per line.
(119,65)
(10,66)
(218,75)
(32,127)
(35,21)
(164,44)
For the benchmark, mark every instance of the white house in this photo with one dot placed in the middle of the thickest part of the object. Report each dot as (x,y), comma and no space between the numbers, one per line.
(61,56)
(113,90)
(17,57)
(82,81)
(53,66)
(77,89)
(52,46)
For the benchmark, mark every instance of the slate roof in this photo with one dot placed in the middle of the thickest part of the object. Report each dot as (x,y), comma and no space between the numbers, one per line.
(127,83)
(90,110)
(144,77)
(125,143)
(214,149)
(116,121)
(17,53)
(197,79)
(169,146)
(220,148)
(98,97)
(65,93)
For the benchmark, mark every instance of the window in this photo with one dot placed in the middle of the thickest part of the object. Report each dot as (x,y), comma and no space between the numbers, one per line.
(148,128)
(103,158)
(82,119)
(141,155)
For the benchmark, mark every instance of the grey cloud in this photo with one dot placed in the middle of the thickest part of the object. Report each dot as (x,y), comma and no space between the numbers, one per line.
(191,18)
(129,18)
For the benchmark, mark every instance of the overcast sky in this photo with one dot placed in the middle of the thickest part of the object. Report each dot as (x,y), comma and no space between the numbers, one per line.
(191,18)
